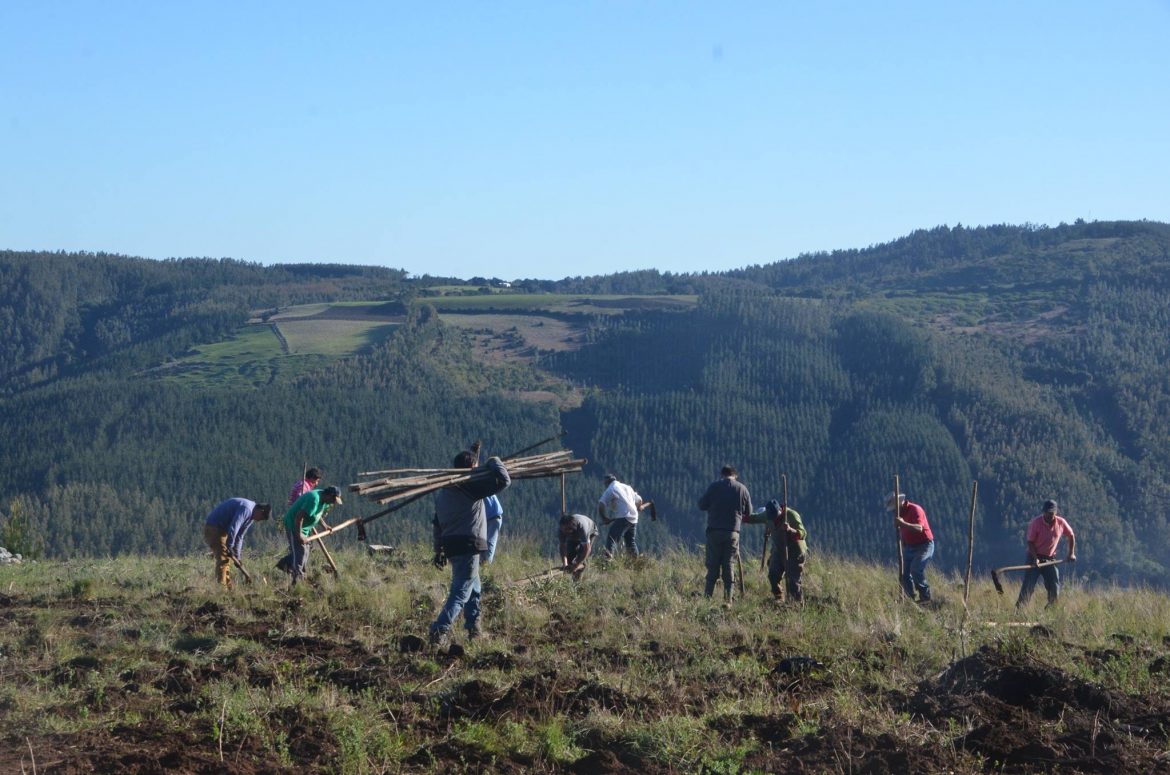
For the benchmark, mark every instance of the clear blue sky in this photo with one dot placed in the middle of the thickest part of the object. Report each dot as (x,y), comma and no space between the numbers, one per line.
(552,139)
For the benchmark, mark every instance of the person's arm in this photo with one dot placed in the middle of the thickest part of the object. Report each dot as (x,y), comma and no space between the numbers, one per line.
(917,526)
(564,552)
(705,500)
(321,521)
(601,513)
(913,526)
(490,478)
(299,525)
(794,526)
(1072,547)
(236,543)
(579,562)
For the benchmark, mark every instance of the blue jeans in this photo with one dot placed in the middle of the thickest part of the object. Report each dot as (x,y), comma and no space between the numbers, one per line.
(464,594)
(622,529)
(298,555)
(914,560)
(493,535)
(1032,575)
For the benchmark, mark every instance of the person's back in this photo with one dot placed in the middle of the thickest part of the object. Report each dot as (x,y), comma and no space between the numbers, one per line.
(726,502)
(460,517)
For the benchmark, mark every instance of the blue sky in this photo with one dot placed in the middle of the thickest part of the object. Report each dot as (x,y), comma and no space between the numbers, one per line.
(550,139)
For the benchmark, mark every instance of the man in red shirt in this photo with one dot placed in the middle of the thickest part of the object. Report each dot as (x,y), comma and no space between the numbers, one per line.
(917,546)
(1044,534)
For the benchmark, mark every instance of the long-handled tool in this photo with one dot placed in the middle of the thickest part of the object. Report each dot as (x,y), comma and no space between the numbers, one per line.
(547,575)
(783,518)
(995,572)
(240,565)
(328,556)
(898,533)
(739,565)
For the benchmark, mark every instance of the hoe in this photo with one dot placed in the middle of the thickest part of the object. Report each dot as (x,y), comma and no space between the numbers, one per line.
(995,573)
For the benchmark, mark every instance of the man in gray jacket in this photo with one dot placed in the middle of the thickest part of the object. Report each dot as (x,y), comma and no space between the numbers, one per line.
(460,531)
(726,502)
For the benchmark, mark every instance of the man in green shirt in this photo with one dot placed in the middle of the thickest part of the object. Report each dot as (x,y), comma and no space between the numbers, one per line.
(306,513)
(788,549)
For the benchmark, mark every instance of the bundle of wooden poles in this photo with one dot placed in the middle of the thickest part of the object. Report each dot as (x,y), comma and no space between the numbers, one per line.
(400,487)
(398,483)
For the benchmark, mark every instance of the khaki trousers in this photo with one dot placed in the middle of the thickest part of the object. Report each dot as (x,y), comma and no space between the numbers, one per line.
(217,541)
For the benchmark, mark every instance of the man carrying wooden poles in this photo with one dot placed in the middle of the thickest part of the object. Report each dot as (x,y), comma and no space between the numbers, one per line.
(460,530)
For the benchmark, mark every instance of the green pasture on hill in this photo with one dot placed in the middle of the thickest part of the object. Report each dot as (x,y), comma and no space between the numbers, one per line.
(255,356)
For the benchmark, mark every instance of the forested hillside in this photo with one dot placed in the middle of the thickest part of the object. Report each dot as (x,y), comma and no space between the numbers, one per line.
(1029,359)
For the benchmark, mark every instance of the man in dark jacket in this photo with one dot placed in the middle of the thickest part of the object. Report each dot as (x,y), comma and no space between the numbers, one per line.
(460,530)
(726,502)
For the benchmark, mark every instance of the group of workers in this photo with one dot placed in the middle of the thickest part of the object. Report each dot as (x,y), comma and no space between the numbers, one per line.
(468,517)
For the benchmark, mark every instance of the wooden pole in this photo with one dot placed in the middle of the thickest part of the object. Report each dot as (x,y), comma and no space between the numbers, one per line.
(898,533)
(325,549)
(970,542)
(563,503)
(240,565)
(783,516)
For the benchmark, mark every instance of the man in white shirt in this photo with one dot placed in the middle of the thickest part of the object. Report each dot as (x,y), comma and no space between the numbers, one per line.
(618,508)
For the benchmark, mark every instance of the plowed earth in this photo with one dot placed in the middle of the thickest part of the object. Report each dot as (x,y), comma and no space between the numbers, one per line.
(998,710)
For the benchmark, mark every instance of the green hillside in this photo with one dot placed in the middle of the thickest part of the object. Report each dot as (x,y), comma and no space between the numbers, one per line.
(138,394)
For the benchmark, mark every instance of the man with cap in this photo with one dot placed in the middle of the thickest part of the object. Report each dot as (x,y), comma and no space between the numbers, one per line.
(1044,534)
(309,482)
(726,501)
(788,549)
(917,545)
(618,508)
(460,535)
(224,531)
(302,516)
(577,533)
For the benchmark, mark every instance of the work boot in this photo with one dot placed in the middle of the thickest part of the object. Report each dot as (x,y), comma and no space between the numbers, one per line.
(475,631)
(441,639)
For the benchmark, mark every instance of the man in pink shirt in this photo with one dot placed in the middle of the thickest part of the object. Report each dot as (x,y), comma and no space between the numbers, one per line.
(1044,534)
(310,482)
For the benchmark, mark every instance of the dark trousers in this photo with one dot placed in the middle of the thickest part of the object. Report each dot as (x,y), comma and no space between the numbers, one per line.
(1051,576)
(787,563)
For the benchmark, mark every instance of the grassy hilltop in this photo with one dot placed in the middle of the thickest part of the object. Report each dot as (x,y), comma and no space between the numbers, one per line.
(142,665)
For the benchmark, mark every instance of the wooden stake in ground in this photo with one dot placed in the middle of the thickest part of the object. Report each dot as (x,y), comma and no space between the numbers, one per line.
(739,565)
(898,532)
(970,542)
(564,504)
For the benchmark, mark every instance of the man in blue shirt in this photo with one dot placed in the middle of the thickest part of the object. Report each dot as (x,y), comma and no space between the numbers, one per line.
(224,531)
